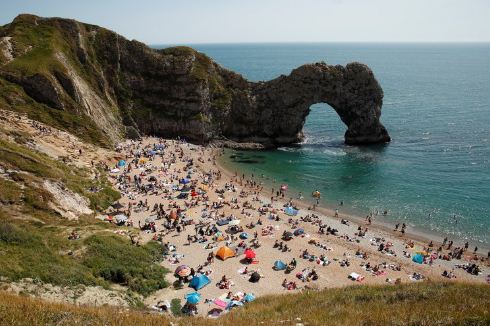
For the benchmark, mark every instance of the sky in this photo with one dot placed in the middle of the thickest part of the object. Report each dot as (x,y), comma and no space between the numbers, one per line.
(240,21)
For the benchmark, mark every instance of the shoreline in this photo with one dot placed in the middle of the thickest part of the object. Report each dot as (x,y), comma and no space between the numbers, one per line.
(333,256)
(414,233)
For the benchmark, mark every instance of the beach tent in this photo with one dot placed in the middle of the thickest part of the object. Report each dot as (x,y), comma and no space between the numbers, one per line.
(249,253)
(418,258)
(290,211)
(117,205)
(224,253)
(244,235)
(193,297)
(121,163)
(183,271)
(121,218)
(184,181)
(222,222)
(254,278)
(299,232)
(279,265)
(199,281)
(249,297)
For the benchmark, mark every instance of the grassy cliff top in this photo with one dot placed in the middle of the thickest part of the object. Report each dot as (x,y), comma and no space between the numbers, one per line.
(408,304)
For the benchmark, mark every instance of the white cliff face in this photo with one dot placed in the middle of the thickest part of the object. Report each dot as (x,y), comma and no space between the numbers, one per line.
(65,202)
(6,50)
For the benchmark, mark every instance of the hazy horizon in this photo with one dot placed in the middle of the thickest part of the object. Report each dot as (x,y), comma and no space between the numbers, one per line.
(275,21)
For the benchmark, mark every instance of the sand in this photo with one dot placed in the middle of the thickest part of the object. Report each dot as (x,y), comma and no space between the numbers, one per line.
(340,248)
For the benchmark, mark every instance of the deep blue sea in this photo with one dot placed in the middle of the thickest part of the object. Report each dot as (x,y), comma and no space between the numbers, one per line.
(434,175)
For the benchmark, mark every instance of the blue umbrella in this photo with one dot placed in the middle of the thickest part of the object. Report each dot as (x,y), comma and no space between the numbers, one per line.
(121,163)
(249,297)
(418,258)
(185,181)
(193,297)
(243,235)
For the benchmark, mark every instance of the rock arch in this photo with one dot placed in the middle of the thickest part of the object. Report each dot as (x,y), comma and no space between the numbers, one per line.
(275,111)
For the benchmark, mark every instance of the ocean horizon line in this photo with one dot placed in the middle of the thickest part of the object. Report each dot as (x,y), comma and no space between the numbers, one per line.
(152,44)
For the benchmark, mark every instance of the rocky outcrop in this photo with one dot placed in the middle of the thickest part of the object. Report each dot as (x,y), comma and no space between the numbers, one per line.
(125,86)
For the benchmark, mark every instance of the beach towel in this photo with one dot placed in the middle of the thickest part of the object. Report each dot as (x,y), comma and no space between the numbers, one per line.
(220,303)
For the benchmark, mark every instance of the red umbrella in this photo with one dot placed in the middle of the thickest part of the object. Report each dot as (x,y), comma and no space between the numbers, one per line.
(249,254)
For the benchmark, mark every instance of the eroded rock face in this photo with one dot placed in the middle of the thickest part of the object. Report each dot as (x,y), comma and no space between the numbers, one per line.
(124,85)
(275,111)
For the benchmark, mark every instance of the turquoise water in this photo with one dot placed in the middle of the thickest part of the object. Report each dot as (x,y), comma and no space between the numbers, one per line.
(437,110)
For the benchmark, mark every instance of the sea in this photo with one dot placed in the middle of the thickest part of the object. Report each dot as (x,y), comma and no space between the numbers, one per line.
(434,175)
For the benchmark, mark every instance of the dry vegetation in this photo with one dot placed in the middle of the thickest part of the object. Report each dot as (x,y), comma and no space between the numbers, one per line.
(410,304)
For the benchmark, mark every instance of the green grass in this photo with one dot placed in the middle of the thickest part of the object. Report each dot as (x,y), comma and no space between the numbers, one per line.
(41,252)
(108,256)
(34,244)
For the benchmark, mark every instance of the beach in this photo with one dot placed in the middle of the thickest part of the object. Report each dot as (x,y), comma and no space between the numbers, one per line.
(383,256)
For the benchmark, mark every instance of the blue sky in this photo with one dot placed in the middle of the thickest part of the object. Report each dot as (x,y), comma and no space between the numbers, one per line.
(225,21)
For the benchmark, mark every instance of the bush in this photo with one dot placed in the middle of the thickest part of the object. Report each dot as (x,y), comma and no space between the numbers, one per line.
(116,260)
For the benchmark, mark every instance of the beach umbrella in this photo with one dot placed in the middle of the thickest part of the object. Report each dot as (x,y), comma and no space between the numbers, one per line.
(418,258)
(225,252)
(184,181)
(249,297)
(193,297)
(121,218)
(299,232)
(183,271)
(121,163)
(234,222)
(249,253)
(279,265)
(243,235)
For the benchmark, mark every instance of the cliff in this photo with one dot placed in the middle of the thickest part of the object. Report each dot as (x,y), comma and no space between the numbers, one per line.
(95,83)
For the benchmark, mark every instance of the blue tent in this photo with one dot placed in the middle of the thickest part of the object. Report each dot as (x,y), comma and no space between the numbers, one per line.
(279,265)
(199,281)
(222,222)
(418,258)
(193,297)
(299,232)
(121,163)
(290,211)
(244,235)
(184,181)
(249,297)
(150,152)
